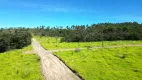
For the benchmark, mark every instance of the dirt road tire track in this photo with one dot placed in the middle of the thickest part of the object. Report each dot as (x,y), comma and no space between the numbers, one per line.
(52,67)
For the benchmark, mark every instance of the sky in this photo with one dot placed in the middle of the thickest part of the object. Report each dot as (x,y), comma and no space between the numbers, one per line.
(33,13)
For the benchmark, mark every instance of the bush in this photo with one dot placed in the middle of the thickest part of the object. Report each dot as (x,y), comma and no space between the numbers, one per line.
(3,45)
(14,39)
(77,50)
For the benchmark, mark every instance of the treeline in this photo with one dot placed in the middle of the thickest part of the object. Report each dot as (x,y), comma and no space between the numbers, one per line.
(95,32)
(17,38)
(14,39)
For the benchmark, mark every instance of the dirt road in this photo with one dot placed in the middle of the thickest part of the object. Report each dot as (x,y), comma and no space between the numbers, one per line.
(117,46)
(52,67)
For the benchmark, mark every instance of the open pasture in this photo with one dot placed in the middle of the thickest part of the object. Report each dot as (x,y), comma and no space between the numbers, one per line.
(50,43)
(15,65)
(123,63)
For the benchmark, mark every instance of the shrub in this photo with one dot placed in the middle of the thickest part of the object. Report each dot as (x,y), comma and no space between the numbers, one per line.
(14,39)
(3,45)
(77,50)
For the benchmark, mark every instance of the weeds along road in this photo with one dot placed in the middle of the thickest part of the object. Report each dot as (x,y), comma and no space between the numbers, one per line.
(52,67)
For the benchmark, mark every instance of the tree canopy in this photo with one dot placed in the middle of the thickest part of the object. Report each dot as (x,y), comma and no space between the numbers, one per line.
(14,39)
(95,32)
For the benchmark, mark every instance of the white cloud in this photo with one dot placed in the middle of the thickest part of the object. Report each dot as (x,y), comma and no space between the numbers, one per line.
(51,9)
(61,9)
(54,8)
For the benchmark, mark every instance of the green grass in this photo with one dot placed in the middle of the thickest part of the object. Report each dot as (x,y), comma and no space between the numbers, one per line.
(15,65)
(123,63)
(50,43)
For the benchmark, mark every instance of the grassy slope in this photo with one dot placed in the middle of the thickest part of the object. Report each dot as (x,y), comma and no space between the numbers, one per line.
(50,43)
(106,64)
(14,65)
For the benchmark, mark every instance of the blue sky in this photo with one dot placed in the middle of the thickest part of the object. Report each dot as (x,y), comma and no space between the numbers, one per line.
(33,13)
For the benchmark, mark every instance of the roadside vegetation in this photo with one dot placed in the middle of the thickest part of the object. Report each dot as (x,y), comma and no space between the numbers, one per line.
(15,65)
(124,63)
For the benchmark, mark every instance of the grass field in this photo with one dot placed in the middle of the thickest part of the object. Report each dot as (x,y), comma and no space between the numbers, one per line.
(116,63)
(123,63)
(50,43)
(15,65)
